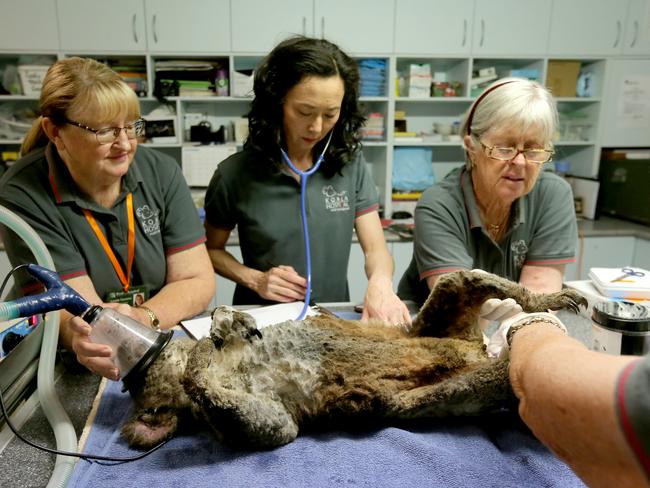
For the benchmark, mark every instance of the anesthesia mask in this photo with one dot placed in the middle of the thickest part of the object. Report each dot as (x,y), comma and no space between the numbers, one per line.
(135,346)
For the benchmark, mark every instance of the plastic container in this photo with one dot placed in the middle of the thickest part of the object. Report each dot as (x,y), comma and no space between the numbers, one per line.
(621,328)
(134,344)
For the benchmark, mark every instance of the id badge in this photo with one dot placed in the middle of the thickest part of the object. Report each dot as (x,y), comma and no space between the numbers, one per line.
(136,296)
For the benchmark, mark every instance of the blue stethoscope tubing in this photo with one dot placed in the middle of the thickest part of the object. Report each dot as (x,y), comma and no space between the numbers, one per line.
(304,175)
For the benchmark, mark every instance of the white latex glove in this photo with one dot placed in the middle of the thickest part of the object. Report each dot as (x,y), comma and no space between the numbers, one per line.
(498,345)
(495,309)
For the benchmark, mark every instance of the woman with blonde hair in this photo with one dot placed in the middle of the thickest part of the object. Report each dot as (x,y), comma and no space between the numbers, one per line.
(118,220)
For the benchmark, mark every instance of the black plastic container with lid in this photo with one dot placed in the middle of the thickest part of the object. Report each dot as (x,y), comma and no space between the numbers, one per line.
(621,328)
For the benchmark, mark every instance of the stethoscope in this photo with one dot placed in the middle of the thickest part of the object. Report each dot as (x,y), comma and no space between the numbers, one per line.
(303,214)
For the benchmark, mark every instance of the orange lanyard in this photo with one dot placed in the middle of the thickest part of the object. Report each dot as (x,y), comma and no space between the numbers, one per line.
(124,278)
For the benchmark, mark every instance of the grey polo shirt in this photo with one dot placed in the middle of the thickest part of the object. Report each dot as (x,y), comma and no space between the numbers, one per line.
(264,204)
(633,408)
(449,234)
(40,189)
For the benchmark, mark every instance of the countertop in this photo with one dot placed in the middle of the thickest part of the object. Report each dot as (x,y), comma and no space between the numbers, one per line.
(604,226)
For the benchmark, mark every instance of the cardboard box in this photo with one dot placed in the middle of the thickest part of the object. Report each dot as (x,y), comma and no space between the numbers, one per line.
(562,77)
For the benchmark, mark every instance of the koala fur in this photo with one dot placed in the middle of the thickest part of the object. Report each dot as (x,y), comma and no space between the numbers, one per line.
(256,389)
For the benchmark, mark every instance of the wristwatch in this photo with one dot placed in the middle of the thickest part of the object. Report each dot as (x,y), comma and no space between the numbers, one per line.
(153,319)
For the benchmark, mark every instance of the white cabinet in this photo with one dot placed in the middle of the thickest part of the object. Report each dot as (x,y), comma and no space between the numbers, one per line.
(626,111)
(194,26)
(637,28)
(258,25)
(359,27)
(363,26)
(433,27)
(42,33)
(586,28)
(225,287)
(116,26)
(357,280)
(642,254)
(601,252)
(402,254)
(511,27)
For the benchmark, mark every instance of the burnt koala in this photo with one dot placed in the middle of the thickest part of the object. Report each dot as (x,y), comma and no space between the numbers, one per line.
(256,389)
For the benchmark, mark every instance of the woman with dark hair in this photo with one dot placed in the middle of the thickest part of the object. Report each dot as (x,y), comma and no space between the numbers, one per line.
(305,109)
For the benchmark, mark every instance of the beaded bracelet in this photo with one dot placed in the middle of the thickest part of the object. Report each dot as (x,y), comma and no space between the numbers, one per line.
(531,320)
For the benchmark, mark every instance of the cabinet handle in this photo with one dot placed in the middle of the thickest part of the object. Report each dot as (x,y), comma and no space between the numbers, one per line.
(482,33)
(135,34)
(322,27)
(153,28)
(304,26)
(636,33)
(464,32)
(618,33)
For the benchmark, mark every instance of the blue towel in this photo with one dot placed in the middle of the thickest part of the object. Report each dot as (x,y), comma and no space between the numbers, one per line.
(495,451)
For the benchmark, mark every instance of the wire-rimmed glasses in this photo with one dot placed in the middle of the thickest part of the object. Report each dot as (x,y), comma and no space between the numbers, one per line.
(534,156)
(108,135)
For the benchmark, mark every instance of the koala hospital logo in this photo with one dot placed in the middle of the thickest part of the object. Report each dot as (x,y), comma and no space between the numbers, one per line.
(149,220)
(519,251)
(336,201)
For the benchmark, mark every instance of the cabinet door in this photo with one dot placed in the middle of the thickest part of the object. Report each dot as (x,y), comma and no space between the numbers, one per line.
(402,254)
(361,26)
(258,25)
(21,29)
(433,27)
(225,287)
(606,252)
(642,254)
(357,280)
(586,27)
(511,27)
(116,26)
(626,112)
(637,28)
(189,26)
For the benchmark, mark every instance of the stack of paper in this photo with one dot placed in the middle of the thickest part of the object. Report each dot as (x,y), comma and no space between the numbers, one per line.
(627,283)
(264,316)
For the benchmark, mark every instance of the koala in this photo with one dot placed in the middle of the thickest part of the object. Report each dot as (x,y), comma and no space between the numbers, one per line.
(256,389)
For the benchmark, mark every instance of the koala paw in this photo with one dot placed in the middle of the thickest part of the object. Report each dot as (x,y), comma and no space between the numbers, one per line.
(229,323)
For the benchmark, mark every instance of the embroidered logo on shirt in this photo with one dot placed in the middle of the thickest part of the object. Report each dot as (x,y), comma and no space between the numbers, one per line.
(336,201)
(149,220)
(519,251)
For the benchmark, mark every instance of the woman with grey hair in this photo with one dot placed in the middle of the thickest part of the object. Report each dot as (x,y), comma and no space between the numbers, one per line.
(500,213)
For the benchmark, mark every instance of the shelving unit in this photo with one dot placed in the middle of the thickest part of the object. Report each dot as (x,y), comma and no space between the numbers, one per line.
(455,40)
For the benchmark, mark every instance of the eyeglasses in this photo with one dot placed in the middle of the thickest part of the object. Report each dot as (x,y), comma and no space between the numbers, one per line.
(535,156)
(109,135)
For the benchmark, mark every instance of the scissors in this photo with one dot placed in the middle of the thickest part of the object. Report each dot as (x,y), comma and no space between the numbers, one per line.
(628,273)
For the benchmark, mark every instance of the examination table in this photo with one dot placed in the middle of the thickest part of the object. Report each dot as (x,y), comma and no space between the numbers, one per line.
(489,451)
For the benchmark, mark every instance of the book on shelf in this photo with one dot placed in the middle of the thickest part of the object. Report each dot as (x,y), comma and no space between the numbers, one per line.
(408,136)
